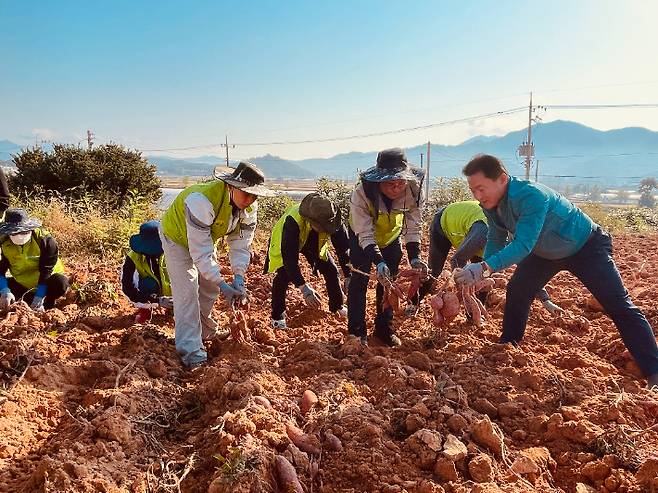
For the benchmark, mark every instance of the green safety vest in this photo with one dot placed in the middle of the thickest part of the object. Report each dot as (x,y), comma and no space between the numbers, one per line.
(144,270)
(457,219)
(388,225)
(217,192)
(24,259)
(274,252)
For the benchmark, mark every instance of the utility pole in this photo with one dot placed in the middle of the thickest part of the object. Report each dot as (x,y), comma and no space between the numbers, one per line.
(90,139)
(225,144)
(427,173)
(421,160)
(537,171)
(527,149)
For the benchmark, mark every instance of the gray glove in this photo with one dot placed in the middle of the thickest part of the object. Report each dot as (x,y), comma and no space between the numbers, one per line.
(6,299)
(166,302)
(311,296)
(346,284)
(37,304)
(418,264)
(470,274)
(552,308)
(383,272)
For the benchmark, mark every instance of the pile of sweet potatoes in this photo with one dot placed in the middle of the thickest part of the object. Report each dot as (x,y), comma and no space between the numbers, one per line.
(446,303)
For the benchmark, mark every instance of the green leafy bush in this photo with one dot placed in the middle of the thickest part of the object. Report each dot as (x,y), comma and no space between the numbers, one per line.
(337,191)
(445,191)
(109,175)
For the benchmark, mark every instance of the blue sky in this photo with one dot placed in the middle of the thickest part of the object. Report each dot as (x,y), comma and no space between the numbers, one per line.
(173,74)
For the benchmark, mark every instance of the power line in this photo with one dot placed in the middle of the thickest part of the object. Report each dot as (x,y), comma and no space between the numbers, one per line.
(596,106)
(353,137)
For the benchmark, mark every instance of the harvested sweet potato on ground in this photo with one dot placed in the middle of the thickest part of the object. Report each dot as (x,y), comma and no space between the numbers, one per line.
(305,442)
(287,475)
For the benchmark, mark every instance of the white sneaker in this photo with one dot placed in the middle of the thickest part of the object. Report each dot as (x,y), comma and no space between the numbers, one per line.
(279,324)
(341,312)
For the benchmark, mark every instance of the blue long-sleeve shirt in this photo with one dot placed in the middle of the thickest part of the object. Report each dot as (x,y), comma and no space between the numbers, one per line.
(539,220)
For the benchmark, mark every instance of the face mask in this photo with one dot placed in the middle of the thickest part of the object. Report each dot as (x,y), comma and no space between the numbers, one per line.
(21,238)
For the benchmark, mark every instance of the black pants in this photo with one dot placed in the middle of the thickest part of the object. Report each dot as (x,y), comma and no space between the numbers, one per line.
(594,266)
(328,270)
(439,248)
(57,285)
(356,297)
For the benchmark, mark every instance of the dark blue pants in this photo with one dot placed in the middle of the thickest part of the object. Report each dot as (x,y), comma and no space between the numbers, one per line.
(356,296)
(594,266)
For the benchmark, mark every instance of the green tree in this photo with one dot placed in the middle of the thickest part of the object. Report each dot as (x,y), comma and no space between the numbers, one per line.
(110,175)
(646,196)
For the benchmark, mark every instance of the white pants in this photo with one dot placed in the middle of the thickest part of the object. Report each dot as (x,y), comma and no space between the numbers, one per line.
(193,298)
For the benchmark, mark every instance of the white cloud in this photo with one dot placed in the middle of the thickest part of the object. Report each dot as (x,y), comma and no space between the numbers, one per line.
(44,133)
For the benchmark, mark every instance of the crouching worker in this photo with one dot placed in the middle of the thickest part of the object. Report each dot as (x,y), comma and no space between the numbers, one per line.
(30,254)
(306,228)
(144,278)
(386,204)
(197,218)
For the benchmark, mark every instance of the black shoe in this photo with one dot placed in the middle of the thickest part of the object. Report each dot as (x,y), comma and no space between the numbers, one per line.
(388,338)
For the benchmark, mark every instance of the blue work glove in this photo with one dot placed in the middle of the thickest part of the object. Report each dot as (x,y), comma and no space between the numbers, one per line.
(37,304)
(4,284)
(311,296)
(228,291)
(470,274)
(418,264)
(383,272)
(41,291)
(238,284)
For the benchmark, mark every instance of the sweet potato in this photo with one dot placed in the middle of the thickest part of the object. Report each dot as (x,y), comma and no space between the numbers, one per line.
(305,442)
(333,442)
(436,302)
(437,319)
(450,305)
(472,308)
(309,399)
(485,285)
(287,475)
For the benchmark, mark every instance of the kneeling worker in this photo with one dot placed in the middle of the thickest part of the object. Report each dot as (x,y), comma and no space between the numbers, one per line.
(144,278)
(306,228)
(30,254)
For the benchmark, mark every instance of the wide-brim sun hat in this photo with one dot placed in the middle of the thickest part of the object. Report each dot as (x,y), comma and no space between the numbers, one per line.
(247,177)
(147,241)
(18,221)
(321,212)
(391,164)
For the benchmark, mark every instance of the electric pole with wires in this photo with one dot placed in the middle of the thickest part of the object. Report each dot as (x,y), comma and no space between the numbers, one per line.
(225,145)
(90,139)
(527,149)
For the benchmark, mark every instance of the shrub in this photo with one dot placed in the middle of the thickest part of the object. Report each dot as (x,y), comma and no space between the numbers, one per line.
(445,191)
(618,220)
(270,209)
(83,230)
(337,191)
(110,175)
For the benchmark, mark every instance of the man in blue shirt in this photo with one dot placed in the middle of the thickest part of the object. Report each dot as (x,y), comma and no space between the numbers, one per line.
(550,234)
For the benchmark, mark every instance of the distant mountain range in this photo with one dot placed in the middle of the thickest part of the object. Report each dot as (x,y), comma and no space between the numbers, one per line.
(563,148)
